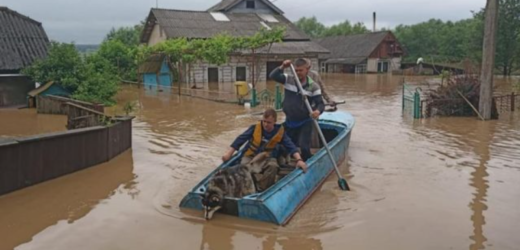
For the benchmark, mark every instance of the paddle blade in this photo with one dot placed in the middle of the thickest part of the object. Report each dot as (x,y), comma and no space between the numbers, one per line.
(343,185)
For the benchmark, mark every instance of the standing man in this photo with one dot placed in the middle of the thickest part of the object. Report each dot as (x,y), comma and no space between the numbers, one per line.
(317,79)
(298,120)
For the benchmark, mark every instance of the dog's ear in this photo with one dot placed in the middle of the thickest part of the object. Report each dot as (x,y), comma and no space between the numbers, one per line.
(260,158)
(258,161)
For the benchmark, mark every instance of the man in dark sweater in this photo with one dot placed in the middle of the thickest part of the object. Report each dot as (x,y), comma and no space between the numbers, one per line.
(298,120)
(265,136)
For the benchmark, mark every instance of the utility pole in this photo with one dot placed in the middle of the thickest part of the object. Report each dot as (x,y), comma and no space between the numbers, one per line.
(488,58)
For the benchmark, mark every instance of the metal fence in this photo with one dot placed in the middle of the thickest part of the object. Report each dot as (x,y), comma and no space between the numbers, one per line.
(411,101)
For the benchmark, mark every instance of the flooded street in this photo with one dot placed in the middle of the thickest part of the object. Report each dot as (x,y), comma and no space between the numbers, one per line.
(442,183)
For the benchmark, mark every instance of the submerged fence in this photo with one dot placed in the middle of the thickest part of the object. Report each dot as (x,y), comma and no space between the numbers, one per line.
(54,105)
(507,103)
(411,101)
(35,159)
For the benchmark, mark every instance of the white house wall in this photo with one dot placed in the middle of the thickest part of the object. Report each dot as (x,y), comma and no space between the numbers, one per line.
(227,72)
(372,65)
(157,36)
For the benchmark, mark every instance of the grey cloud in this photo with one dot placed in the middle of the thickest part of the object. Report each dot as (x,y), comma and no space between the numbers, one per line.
(88,21)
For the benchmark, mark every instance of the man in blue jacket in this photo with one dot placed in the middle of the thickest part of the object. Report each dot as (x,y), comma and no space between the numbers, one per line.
(298,120)
(265,136)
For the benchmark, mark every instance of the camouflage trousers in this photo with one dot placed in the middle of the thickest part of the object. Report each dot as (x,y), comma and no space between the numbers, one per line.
(269,174)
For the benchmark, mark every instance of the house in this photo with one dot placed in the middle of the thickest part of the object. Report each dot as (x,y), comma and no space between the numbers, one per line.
(237,18)
(156,70)
(47,89)
(22,41)
(376,52)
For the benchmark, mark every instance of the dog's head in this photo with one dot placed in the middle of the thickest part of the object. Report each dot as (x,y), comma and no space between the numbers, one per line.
(256,164)
(212,201)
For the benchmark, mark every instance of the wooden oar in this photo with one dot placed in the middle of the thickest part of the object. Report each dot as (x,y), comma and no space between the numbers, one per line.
(471,105)
(343,185)
(279,110)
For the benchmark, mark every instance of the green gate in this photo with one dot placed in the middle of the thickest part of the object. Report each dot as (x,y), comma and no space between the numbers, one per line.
(412,101)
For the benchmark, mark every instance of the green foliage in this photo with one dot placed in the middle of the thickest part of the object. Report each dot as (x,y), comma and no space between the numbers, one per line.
(98,83)
(440,41)
(91,78)
(215,50)
(454,41)
(313,28)
(121,57)
(129,108)
(62,64)
(345,28)
(129,36)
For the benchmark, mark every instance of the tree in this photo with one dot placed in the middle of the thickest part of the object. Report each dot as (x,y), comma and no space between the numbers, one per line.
(89,79)
(310,26)
(130,36)
(62,64)
(508,47)
(121,57)
(97,82)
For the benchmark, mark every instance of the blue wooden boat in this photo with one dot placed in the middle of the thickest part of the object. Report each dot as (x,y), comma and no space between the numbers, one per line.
(280,202)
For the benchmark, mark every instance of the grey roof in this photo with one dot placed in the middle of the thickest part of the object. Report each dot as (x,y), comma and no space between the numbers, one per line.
(350,60)
(22,40)
(226,5)
(353,48)
(201,24)
(152,64)
(292,48)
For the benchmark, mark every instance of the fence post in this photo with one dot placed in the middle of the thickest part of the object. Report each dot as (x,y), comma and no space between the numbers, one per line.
(278,98)
(416,105)
(513,102)
(254,102)
(404,86)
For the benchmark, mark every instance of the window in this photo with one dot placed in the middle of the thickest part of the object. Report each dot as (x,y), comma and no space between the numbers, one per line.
(382,67)
(241,74)
(265,25)
(250,4)
(361,68)
(221,17)
(268,18)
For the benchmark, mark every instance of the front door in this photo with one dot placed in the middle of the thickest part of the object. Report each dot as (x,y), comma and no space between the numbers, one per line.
(213,78)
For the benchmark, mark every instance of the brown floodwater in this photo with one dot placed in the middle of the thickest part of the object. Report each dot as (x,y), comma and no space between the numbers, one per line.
(26,122)
(441,183)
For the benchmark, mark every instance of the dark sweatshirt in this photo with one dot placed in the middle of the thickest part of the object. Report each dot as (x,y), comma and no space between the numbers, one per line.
(293,103)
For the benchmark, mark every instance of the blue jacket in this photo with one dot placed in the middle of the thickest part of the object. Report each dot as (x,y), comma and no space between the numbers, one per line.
(247,136)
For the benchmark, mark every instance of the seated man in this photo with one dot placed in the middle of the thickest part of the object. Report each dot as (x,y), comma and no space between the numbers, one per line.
(298,120)
(265,136)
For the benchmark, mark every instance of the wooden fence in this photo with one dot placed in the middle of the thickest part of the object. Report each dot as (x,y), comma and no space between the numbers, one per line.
(31,160)
(81,117)
(507,103)
(55,105)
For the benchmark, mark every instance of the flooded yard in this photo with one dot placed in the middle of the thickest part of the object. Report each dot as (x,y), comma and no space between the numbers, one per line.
(441,183)
(26,122)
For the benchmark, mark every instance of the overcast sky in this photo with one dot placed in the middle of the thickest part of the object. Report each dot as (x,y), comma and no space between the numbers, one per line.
(87,21)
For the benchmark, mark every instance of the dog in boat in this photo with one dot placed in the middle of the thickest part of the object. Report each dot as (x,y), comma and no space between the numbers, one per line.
(236,181)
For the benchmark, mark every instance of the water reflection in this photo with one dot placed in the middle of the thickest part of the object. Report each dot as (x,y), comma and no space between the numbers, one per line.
(26,212)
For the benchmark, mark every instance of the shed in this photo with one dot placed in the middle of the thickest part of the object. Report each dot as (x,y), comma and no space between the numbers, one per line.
(47,89)
(156,70)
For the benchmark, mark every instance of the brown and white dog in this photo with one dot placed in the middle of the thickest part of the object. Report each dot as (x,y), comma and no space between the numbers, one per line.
(236,181)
